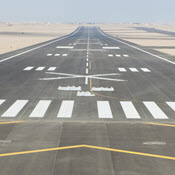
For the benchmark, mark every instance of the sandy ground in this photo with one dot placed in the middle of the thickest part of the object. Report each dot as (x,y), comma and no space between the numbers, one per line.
(156,41)
(19,36)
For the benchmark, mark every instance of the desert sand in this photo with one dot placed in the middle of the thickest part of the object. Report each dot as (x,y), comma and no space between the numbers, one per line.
(20,35)
(156,41)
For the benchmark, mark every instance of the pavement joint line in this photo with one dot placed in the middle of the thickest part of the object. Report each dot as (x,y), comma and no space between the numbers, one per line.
(88,146)
(161,124)
(11,122)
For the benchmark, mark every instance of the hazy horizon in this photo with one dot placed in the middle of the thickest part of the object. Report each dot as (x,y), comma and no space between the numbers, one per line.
(77,11)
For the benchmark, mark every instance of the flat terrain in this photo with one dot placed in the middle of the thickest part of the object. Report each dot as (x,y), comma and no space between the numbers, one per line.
(87,103)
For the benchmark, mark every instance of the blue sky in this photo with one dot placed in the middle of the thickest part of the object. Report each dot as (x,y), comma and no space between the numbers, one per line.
(146,11)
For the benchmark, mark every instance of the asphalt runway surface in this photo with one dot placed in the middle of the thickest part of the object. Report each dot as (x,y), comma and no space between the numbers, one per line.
(87,103)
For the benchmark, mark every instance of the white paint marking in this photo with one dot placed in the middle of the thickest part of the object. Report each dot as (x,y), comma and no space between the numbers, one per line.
(104,110)
(118,55)
(51,68)
(87,64)
(111,48)
(171,104)
(69,88)
(8,58)
(40,68)
(110,55)
(15,108)
(136,48)
(57,55)
(86,80)
(125,55)
(85,94)
(64,55)
(106,44)
(64,47)
(49,54)
(133,69)
(66,109)
(121,69)
(145,70)
(102,89)
(129,110)
(87,59)
(154,143)
(2,101)
(28,68)
(40,108)
(70,44)
(87,71)
(155,110)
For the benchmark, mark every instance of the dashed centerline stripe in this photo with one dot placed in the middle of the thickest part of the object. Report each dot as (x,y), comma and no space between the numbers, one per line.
(28,68)
(40,68)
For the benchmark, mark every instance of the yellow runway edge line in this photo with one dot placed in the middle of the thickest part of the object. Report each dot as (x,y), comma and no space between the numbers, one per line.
(161,124)
(88,146)
(3,123)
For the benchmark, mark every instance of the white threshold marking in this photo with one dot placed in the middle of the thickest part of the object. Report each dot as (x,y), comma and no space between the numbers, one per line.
(133,69)
(57,55)
(110,55)
(129,110)
(28,68)
(154,109)
(64,55)
(64,47)
(111,47)
(87,71)
(40,68)
(149,53)
(49,54)
(2,101)
(51,68)
(121,69)
(118,55)
(15,108)
(40,108)
(171,104)
(66,109)
(104,110)
(145,70)
(8,58)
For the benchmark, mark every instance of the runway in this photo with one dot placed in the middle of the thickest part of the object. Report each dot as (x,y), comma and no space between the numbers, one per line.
(87,88)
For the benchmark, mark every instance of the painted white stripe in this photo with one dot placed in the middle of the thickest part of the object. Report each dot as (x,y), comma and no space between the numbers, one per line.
(40,108)
(64,47)
(87,64)
(49,54)
(145,70)
(64,55)
(126,55)
(133,69)
(171,104)
(15,108)
(110,55)
(121,69)
(40,68)
(28,68)
(57,55)
(155,110)
(87,71)
(118,55)
(104,110)
(66,109)
(2,101)
(149,53)
(111,47)
(86,80)
(129,110)
(30,50)
(51,68)
(87,59)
